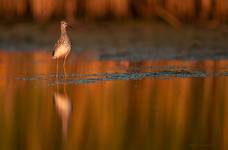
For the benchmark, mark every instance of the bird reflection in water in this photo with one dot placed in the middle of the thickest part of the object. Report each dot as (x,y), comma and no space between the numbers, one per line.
(63,106)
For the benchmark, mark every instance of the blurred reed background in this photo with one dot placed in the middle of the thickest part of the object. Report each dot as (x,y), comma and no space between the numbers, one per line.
(173,11)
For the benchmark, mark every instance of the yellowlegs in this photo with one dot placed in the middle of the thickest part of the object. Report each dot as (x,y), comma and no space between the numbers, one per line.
(63,45)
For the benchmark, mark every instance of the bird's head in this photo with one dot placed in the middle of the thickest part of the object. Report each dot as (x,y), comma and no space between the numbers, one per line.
(64,24)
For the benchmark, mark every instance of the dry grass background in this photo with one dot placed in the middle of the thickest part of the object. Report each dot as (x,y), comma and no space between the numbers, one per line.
(173,11)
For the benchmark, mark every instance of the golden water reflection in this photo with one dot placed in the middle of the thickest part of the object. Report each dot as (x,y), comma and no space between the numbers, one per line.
(151,113)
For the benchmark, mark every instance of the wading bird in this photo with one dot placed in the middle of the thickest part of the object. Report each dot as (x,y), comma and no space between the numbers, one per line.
(63,45)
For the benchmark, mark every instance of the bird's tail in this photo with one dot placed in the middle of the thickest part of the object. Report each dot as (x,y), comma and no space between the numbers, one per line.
(53,55)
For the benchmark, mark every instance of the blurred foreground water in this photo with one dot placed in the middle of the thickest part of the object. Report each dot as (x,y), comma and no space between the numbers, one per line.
(114,104)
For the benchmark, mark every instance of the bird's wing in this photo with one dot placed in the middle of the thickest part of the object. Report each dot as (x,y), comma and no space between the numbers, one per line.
(57,44)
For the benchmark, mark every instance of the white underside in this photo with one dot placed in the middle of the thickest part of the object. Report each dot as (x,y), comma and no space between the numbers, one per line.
(62,51)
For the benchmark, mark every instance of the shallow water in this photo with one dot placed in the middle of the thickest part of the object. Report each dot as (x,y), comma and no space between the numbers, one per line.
(97,103)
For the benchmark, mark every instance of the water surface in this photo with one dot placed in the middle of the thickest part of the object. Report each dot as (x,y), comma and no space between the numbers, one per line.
(99,103)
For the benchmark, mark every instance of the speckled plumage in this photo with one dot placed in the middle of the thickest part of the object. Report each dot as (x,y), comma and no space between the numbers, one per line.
(63,45)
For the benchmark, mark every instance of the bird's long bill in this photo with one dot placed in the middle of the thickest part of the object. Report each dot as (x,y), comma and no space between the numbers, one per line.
(69,26)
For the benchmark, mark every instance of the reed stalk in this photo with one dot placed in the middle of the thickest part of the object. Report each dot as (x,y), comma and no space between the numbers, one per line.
(169,10)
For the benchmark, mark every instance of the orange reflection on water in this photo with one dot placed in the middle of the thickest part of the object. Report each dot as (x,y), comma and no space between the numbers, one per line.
(150,113)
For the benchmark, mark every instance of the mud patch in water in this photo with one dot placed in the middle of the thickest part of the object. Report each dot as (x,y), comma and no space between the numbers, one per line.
(92,78)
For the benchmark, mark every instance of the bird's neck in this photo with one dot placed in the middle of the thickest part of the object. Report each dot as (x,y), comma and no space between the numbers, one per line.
(63,31)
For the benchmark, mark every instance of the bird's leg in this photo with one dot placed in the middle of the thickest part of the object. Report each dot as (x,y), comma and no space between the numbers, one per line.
(57,68)
(64,61)
(57,72)
(64,64)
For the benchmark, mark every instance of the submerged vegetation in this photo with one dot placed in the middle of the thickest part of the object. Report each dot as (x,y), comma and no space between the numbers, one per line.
(173,11)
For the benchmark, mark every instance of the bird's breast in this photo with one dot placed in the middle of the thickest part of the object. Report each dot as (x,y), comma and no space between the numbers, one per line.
(62,50)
